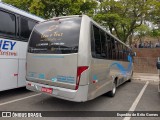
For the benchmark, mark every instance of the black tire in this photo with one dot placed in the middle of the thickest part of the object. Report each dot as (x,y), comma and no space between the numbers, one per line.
(131,77)
(113,91)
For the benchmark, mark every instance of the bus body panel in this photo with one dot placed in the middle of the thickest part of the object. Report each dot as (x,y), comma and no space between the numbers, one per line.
(13,61)
(22,64)
(55,70)
(102,77)
(8,75)
(84,49)
(79,95)
(9,53)
(100,81)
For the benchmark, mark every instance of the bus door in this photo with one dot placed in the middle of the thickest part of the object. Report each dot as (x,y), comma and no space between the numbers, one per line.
(22,64)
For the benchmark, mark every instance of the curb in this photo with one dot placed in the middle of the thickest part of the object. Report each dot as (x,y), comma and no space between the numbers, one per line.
(146,77)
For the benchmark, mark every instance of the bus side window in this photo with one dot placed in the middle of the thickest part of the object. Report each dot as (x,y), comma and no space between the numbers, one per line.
(108,47)
(103,44)
(92,42)
(120,51)
(113,49)
(125,54)
(26,26)
(117,49)
(97,42)
(7,24)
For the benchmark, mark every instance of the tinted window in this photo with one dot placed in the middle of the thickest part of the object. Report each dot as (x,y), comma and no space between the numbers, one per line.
(92,42)
(117,49)
(108,47)
(97,43)
(7,24)
(56,37)
(121,51)
(26,27)
(113,43)
(125,52)
(103,44)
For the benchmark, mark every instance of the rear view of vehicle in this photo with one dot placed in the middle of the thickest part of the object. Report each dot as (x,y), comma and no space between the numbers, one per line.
(52,59)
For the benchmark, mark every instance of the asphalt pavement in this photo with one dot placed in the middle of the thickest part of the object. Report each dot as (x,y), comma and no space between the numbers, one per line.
(136,95)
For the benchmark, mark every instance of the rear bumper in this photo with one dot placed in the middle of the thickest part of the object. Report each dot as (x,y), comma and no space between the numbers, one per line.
(79,95)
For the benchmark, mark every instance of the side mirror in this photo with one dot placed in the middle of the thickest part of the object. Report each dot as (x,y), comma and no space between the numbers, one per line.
(158,64)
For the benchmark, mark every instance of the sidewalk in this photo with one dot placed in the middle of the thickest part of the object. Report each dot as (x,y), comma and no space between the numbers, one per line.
(146,77)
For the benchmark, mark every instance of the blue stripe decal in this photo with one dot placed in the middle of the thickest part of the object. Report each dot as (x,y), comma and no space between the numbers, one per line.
(123,70)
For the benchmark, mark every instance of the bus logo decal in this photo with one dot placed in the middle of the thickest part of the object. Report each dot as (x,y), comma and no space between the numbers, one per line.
(41,76)
(54,79)
(95,79)
(7,47)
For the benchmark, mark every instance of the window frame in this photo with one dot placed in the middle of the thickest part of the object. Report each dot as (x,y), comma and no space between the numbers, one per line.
(26,18)
(125,50)
(16,26)
(92,36)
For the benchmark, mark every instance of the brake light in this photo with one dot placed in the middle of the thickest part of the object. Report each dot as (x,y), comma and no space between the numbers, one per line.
(80,70)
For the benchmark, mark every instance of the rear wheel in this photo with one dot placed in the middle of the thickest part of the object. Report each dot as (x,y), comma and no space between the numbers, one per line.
(113,91)
(131,77)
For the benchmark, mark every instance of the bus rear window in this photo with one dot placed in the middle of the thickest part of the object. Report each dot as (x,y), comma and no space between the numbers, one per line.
(59,36)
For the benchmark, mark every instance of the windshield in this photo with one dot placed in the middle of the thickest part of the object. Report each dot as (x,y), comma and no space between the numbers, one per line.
(60,36)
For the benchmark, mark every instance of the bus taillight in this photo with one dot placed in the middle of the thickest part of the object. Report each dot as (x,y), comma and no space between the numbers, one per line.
(80,70)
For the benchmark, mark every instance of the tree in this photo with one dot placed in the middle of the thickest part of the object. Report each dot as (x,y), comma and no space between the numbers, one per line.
(22,4)
(120,17)
(123,17)
(156,33)
(154,13)
(142,31)
(52,8)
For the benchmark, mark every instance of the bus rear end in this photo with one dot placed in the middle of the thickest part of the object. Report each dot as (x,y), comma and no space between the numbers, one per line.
(52,60)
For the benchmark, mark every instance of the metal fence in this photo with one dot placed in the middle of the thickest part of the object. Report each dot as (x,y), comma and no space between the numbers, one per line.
(145,65)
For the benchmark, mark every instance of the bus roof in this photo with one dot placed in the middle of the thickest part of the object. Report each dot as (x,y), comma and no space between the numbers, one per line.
(19,11)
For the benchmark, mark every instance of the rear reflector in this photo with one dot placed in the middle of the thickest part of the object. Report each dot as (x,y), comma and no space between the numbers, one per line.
(80,70)
(29,84)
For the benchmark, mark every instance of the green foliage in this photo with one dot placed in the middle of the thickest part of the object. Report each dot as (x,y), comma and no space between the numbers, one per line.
(121,17)
(22,4)
(51,8)
(155,33)
(37,7)
(143,30)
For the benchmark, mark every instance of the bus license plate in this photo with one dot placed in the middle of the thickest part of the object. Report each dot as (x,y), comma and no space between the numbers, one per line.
(47,90)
